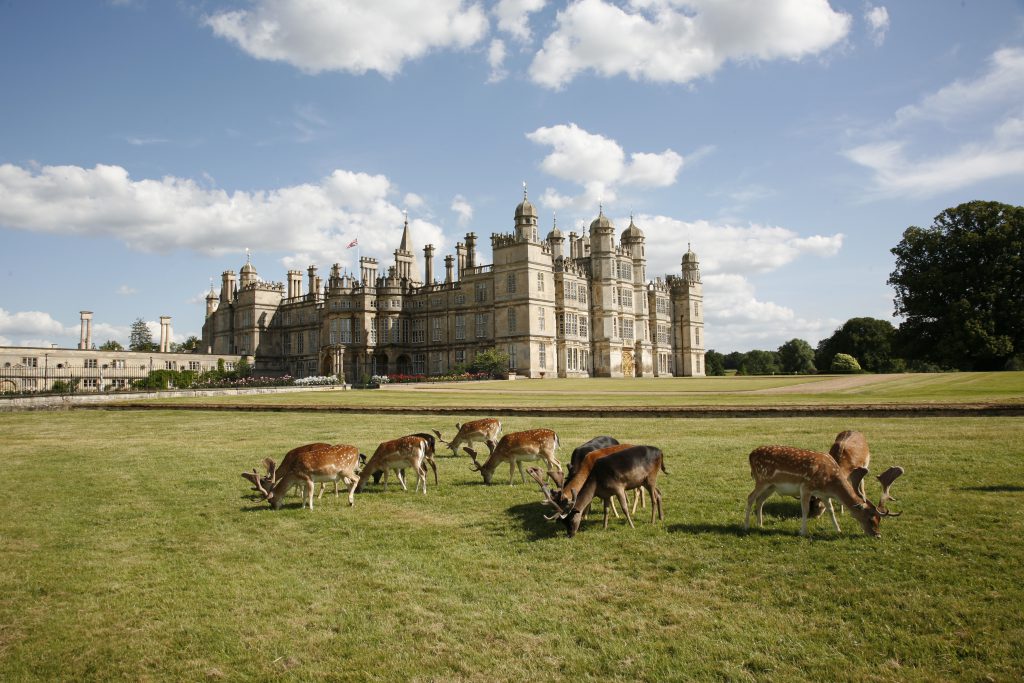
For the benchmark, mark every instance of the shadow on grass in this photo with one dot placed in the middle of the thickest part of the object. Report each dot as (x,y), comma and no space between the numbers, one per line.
(724,530)
(994,488)
(531,517)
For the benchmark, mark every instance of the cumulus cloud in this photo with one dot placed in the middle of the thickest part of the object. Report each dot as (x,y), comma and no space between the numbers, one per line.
(496,60)
(878,23)
(678,41)
(355,36)
(599,165)
(125,290)
(463,208)
(906,161)
(317,220)
(514,16)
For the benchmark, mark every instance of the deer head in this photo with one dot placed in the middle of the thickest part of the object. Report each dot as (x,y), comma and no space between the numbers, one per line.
(485,470)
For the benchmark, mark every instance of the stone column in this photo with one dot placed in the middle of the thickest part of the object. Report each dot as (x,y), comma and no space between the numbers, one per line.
(470,250)
(165,333)
(85,337)
(428,263)
(460,255)
(449,262)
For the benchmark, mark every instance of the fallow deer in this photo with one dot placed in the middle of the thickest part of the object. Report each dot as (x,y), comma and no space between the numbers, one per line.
(795,471)
(485,430)
(516,448)
(610,477)
(583,462)
(309,464)
(406,452)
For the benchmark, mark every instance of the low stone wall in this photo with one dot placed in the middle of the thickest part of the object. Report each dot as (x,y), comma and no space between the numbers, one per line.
(58,402)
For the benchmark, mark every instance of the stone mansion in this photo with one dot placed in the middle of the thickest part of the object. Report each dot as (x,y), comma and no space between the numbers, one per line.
(576,306)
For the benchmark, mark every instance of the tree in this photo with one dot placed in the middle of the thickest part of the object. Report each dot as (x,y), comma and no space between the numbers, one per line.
(844,363)
(111,345)
(141,339)
(958,285)
(191,344)
(869,339)
(796,356)
(714,363)
(243,368)
(733,359)
(758,362)
(491,361)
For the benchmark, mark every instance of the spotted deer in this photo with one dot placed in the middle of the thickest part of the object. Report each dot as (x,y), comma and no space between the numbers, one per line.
(485,430)
(406,452)
(305,466)
(795,471)
(516,448)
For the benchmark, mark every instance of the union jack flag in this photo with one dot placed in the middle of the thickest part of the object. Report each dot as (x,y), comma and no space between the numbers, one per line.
(353,243)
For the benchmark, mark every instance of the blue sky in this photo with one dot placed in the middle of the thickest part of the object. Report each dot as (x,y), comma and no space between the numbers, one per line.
(145,145)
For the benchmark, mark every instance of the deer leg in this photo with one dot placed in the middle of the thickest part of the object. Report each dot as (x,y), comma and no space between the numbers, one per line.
(609,503)
(805,508)
(323,485)
(384,479)
(760,505)
(422,474)
(621,494)
(521,475)
(490,446)
(511,473)
(309,490)
(352,492)
(401,478)
(831,511)
(752,502)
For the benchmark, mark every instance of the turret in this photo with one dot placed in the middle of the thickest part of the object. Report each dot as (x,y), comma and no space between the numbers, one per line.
(211,301)
(526,220)
(556,239)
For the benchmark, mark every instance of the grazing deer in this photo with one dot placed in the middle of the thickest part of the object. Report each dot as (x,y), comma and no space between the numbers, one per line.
(583,461)
(610,477)
(795,471)
(267,481)
(428,458)
(517,447)
(307,465)
(406,452)
(485,431)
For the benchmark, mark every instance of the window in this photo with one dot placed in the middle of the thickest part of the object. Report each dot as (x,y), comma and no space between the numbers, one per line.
(696,335)
(193,365)
(460,327)
(435,363)
(288,343)
(419,364)
(372,330)
(696,309)
(117,364)
(92,383)
(627,328)
(169,365)
(561,324)
(30,362)
(91,363)
(510,283)
(345,325)
(570,290)
(541,319)
(481,325)
(511,320)
(511,356)
(460,356)
(435,331)
(615,327)
(332,335)
(356,335)
(540,282)
(542,355)
(581,294)
(419,331)
(300,338)
(460,299)
(481,292)
(584,327)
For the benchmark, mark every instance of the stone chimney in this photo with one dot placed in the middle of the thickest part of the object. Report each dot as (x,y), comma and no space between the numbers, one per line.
(471,250)
(449,261)
(460,254)
(165,333)
(85,337)
(428,263)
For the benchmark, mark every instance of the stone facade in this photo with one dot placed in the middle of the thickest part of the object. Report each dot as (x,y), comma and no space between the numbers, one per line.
(575,306)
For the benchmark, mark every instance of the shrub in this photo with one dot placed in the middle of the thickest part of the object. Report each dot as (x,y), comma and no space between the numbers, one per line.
(317,381)
(845,363)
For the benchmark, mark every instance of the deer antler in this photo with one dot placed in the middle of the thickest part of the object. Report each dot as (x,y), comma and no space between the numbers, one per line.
(472,454)
(886,479)
(441,438)
(271,468)
(549,499)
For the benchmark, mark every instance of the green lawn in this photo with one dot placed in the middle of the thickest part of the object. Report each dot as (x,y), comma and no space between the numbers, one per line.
(967,387)
(133,550)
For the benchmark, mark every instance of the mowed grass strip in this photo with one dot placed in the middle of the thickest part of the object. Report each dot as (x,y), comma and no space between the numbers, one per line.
(967,387)
(134,550)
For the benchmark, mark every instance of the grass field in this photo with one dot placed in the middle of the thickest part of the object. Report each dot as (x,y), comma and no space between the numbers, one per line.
(967,387)
(133,550)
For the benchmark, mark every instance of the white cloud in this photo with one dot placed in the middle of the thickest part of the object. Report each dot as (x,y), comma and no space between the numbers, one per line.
(354,36)
(413,200)
(896,174)
(32,324)
(514,16)
(1002,84)
(989,109)
(599,165)
(878,23)
(496,60)
(463,208)
(125,290)
(317,220)
(678,41)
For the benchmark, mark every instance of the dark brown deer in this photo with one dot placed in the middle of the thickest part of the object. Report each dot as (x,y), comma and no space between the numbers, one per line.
(798,472)
(611,477)
(570,488)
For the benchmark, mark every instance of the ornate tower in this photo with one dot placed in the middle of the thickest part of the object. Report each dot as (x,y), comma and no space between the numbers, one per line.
(688,318)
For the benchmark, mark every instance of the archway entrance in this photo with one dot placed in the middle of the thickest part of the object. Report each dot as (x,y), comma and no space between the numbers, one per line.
(404,365)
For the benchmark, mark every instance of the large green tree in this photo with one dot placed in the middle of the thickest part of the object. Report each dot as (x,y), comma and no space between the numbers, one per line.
(141,339)
(797,356)
(960,287)
(714,363)
(759,362)
(869,340)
